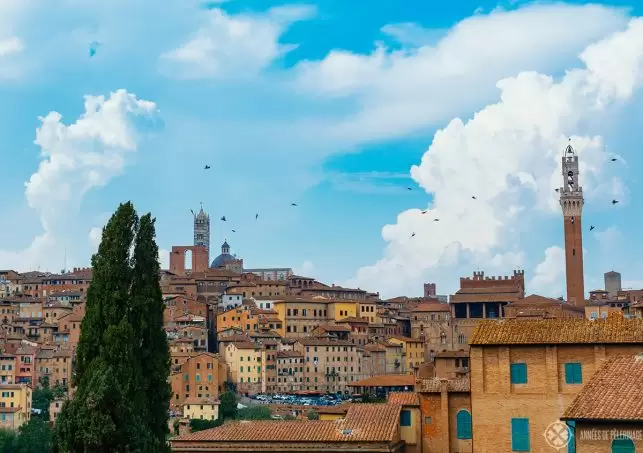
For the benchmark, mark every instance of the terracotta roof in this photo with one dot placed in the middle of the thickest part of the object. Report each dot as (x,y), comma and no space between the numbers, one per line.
(363,423)
(614,329)
(386,380)
(352,319)
(404,398)
(334,328)
(431,307)
(434,385)
(615,392)
(373,347)
(247,345)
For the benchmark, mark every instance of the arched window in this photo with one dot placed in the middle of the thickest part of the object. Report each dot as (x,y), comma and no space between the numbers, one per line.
(463,424)
(622,445)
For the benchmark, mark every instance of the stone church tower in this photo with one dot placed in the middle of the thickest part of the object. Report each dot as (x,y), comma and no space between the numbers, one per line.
(571,200)
(202,230)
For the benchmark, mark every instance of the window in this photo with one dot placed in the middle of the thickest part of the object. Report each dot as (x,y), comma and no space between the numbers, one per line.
(428,420)
(405,418)
(593,315)
(573,373)
(463,424)
(518,373)
(622,445)
(520,434)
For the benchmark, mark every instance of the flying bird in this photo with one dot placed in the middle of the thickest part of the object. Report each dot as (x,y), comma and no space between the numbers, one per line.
(556,190)
(192,212)
(93,48)
(234,231)
(614,201)
(614,159)
(293,204)
(256,216)
(436,220)
(591,227)
(223,219)
(425,211)
(408,188)
(413,235)
(207,167)
(474,198)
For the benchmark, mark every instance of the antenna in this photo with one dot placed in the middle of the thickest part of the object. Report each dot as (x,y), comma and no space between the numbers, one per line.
(65,262)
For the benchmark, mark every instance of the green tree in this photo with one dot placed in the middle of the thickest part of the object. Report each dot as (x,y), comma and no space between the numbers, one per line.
(40,399)
(197,424)
(35,436)
(312,415)
(254,413)
(113,409)
(228,406)
(8,441)
(154,355)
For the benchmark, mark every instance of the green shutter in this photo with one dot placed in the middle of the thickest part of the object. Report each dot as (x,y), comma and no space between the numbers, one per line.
(623,445)
(463,425)
(405,418)
(573,373)
(520,434)
(578,373)
(518,372)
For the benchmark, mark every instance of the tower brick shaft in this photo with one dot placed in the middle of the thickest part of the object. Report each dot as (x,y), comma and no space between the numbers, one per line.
(571,201)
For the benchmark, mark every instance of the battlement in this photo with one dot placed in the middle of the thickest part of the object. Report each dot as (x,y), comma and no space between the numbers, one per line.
(479,280)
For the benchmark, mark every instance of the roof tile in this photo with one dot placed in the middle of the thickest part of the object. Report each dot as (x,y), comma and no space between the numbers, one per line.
(614,329)
(363,423)
(615,392)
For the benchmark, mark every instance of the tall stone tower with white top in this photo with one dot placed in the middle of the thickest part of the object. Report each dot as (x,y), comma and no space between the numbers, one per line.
(571,200)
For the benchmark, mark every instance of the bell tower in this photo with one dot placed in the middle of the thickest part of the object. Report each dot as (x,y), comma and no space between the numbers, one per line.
(571,200)
(202,230)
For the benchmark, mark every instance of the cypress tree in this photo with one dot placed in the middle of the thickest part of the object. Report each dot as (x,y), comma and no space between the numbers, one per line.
(120,354)
(153,354)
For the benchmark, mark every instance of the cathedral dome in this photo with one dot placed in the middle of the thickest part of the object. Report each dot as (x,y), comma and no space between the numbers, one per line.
(224,258)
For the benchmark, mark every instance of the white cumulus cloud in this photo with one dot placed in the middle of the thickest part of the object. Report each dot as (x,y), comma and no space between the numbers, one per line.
(400,91)
(240,45)
(508,157)
(549,274)
(75,159)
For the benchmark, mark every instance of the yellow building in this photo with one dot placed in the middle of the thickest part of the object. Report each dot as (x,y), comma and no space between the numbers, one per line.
(342,309)
(240,317)
(300,315)
(244,362)
(15,405)
(413,350)
(7,368)
(367,310)
(201,408)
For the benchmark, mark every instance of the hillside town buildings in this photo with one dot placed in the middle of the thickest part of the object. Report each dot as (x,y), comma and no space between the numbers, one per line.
(490,368)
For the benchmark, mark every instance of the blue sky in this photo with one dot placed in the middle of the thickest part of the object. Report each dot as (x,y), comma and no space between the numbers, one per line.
(333,105)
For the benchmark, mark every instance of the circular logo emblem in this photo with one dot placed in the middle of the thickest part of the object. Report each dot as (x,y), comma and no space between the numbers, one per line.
(557,435)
